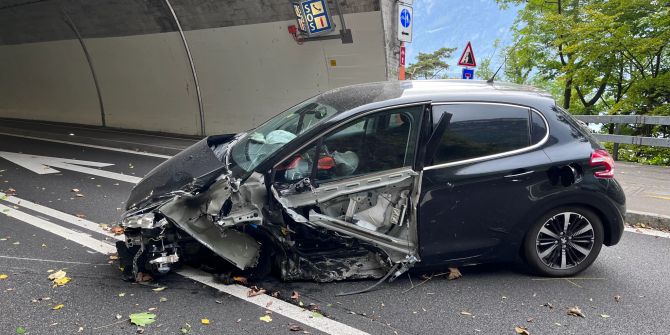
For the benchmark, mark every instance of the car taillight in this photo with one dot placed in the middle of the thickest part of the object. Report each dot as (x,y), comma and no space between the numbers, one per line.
(602,158)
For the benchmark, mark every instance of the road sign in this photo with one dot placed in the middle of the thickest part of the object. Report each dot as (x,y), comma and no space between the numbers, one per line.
(468,57)
(468,73)
(46,165)
(402,55)
(405,18)
(313,17)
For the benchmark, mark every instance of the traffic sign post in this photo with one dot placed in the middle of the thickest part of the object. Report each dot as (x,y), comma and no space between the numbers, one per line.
(468,57)
(468,73)
(405,18)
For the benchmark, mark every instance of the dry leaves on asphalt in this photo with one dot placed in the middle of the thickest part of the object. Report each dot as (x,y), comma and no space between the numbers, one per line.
(575,311)
(3,276)
(466,313)
(204,321)
(266,318)
(294,327)
(57,307)
(295,296)
(521,330)
(59,278)
(454,273)
(159,289)
(117,230)
(254,291)
(617,298)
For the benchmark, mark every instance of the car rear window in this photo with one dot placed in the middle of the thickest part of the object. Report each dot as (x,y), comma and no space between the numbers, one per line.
(479,130)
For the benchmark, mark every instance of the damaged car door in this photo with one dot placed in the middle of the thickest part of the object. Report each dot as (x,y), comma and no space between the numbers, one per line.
(358,182)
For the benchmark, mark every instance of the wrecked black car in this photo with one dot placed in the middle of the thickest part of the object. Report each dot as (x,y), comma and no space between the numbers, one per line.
(368,181)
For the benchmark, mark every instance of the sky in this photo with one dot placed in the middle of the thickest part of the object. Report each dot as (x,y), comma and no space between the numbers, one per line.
(452,23)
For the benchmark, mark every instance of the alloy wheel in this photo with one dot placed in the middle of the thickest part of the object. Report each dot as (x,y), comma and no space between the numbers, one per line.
(565,240)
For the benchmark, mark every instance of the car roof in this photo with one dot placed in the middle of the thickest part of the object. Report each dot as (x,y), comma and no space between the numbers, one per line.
(353,99)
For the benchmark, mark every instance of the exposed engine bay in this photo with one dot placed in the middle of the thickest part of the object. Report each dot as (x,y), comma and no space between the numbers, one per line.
(356,228)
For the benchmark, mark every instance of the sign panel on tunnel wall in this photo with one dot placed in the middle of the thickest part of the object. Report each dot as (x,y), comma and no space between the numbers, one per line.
(313,17)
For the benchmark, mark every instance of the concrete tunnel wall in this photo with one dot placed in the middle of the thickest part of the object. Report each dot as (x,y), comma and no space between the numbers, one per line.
(246,72)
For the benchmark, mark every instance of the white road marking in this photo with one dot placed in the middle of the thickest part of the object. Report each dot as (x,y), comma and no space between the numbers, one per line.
(88,145)
(265,301)
(277,306)
(44,164)
(644,231)
(50,261)
(77,237)
(71,219)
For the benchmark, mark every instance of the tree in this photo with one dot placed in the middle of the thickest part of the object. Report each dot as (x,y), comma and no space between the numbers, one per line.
(596,56)
(430,65)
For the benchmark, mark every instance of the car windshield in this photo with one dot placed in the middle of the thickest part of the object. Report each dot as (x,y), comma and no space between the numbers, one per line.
(272,135)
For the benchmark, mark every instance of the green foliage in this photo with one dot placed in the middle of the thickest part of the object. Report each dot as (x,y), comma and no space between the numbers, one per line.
(430,65)
(597,57)
(142,319)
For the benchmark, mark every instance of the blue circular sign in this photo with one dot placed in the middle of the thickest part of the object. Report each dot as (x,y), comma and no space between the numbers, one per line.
(405,18)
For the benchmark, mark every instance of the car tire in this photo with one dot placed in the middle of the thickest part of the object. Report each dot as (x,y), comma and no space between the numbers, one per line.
(555,249)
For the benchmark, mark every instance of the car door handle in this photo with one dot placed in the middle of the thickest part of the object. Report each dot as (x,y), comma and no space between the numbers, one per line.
(520,174)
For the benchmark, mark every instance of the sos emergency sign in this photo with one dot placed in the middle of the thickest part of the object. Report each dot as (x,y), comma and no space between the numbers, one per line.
(313,17)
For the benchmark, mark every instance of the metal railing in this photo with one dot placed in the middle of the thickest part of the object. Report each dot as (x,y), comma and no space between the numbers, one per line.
(626,139)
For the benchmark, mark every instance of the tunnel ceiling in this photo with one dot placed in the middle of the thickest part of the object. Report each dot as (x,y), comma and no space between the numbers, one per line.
(28,21)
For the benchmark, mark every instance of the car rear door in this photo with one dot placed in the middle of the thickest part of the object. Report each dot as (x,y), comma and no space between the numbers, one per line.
(478,183)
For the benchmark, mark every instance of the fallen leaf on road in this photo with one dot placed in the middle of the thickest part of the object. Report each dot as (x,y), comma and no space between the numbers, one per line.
(81,216)
(143,277)
(158,289)
(16,243)
(117,230)
(76,190)
(204,321)
(316,315)
(521,330)
(266,318)
(57,307)
(162,299)
(79,195)
(294,328)
(254,291)
(113,257)
(604,316)
(122,294)
(61,281)
(295,295)
(617,298)
(548,304)
(466,313)
(57,275)
(185,329)
(20,330)
(454,273)
(575,311)
(3,276)
(142,319)
(118,316)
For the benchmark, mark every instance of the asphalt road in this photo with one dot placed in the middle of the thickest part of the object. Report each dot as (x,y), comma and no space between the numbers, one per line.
(486,300)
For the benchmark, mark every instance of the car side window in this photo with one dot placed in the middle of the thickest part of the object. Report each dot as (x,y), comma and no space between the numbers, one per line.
(374,143)
(478,130)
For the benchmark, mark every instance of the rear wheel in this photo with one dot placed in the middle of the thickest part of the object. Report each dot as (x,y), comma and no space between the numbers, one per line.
(564,242)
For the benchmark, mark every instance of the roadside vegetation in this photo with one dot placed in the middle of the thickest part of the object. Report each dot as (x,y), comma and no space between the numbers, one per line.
(595,57)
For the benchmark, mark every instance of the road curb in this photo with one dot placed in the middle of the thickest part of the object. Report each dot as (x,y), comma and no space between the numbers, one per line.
(650,220)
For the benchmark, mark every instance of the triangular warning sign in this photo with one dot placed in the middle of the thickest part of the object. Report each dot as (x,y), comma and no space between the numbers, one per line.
(468,57)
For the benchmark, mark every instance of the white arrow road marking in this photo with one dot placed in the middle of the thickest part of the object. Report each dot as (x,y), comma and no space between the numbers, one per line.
(74,236)
(265,301)
(45,165)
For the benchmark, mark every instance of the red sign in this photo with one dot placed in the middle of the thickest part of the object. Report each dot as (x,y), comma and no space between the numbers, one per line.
(402,55)
(468,57)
